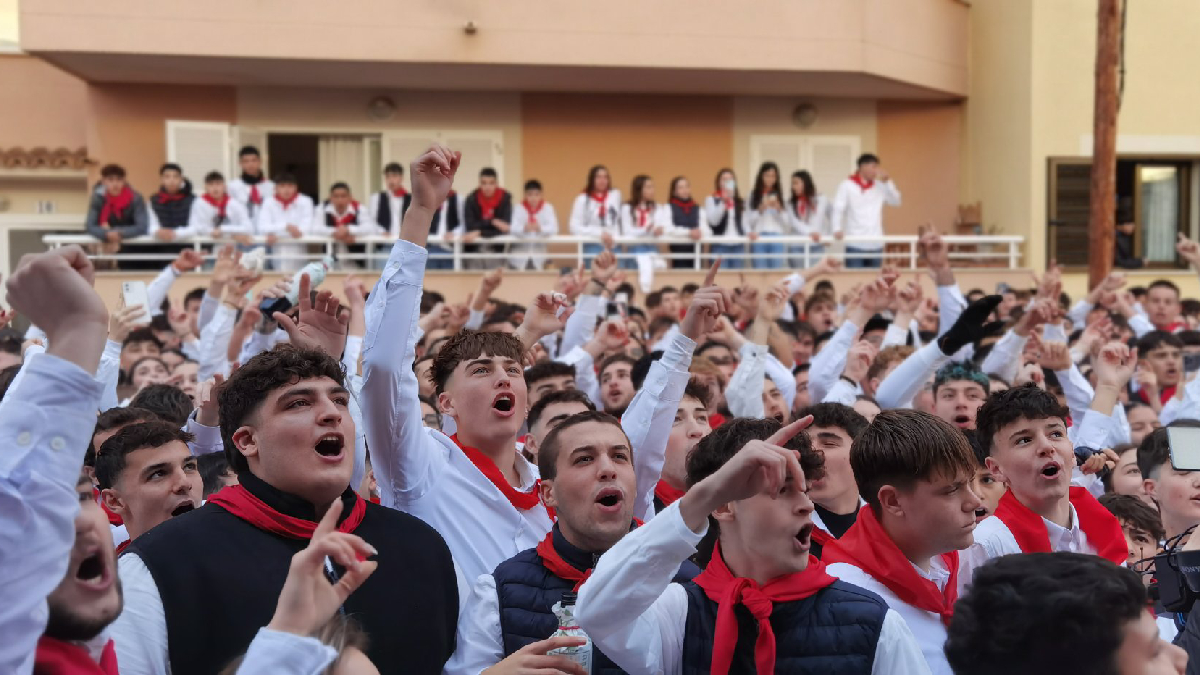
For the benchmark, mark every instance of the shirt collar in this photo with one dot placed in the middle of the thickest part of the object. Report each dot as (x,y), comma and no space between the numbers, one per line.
(937,573)
(1061,536)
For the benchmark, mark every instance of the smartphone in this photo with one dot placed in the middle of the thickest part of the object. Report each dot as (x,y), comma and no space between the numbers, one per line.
(1002,288)
(622,300)
(1191,362)
(134,293)
(1184,445)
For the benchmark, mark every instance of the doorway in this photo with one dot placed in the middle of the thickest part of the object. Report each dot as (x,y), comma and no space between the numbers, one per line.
(298,155)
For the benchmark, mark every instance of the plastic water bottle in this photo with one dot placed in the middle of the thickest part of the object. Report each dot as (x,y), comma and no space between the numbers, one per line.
(567,626)
(316,272)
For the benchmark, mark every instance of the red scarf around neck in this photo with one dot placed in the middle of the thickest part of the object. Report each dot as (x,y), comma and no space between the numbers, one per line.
(643,215)
(255,198)
(522,501)
(867,546)
(859,182)
(400,193)
(1164,395)
(803,206)
(557,566)
(347,218)
(720,197)
(58,657)
(488,206)
(113,519)
(531,210)
(115,205)
(218,205)
(602,202)
(667,494)
(686,206)
(241,503)
(287,203)
(728,591)
(168,197)
(1102,529)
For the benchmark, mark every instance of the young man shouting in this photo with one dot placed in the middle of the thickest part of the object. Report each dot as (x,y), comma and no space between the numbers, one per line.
(835,494)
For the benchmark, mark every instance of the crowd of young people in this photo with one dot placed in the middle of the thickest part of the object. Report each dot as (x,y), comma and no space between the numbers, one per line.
(722,479)
(253,205)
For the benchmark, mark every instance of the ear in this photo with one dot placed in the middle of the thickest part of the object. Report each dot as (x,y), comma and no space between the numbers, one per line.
(1151,487)
(446,405)
(994,467)
(531,446)
(889,501)
(725,513)
(90,472)
(245,442)
(546,488)
(113,502)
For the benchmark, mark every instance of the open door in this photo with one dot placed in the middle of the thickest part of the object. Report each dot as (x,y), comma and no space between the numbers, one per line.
(240,137)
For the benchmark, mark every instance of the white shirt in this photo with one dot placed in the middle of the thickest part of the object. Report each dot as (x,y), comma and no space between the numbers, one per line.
(239,191)
(586,219)
(765,220)
(395,209)
(814,221)
(46,424)
(422,472)
(642,222)
(282,653)
(927,627)
(633,612)
(993,539)
(203,219)
(859,212)
(547,226)
(905,381)
(361,224)
(275,218)
(715,210)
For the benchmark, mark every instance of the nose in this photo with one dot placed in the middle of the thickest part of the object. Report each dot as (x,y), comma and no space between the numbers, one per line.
(804,505)
(182,484)
(606,468)
(698,429)
(973,500)
(329,413)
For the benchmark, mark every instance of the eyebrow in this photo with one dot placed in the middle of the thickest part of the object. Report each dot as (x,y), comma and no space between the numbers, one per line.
(828,436)
(154,467)
(312,391)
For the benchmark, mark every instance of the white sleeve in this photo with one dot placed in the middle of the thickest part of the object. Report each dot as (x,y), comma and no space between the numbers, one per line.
(629,607)
(1004,359)
(214,343)
(208,309)
(277,653)
(782,376)
(795,283)
(1077,390)
(404,456)
(519,217)
(1187,408)
(951,304)
(257,343)
(897,652)
(475,320)
(199,219)
(140,632)
(895,336)
(1140,325)
(891,193)
(837,213)
(156,291)
(239,219)
(108,374)
(827,365)
(578,221)
(270,219)
(46,422)
(480,645)
(581,325)
(744,392)
(841,392)
(1079,312)
(651,414)
(1093,431)
(207,439)
(585,374)
(904,382)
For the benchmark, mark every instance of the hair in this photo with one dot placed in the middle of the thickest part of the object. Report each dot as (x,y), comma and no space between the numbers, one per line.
(165,400)
(285,179)
(591,178)
(901,447)
(467,345)
(488,172)
(549,449)
(675,185)
(876,323)
(701,365)
(1189,338)
(661,323)
(212,466)
(1155,339)
(339,186)
(554,397)
(1155,449)
(641,369)
(429,299)
(141,335)
(110,461)
(170,166)
(194,294)
(697,390)
(818,299)
(1042,614)
(248,150)
(835,415)
(1008,406)
(713,344)
(112,171)
(756,197)
(114,418)
(547,369)
(1189,307)
(635,190)
(886,357)
(619,357)
(737,189)
(341,633)
(809,191)
(6,378)
(1134,513)
(717,448)
(394,167)
(689,288)
(956,371)
(533,184)
(972,437)
(866,158)
(247,388)
(213,177)
(653,299)
(1163,283)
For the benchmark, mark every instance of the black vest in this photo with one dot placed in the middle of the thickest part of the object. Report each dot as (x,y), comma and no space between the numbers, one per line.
(688,219)
(719,227)
(220,577)
(331,220)
(173,214)
(833,632)
(452,216)
(526,591)
(383,215)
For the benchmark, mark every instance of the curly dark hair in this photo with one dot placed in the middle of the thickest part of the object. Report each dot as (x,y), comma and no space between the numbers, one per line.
(711,453)
(247,388)
(165,400)
(1005,407)
(1044,614)
(467,345)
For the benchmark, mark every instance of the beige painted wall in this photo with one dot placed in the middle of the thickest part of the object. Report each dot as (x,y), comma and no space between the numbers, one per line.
(69,195)
(920,145)
(43,106)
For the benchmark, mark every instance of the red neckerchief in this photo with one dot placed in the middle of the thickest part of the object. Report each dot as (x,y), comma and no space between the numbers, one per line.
(721,198)
(1173,326)
(165,197)
(347,218)
(559,567)
(715,420)
(532,211)
(1101,527)
(58,657)
(113,519)
(802,206)
(667,494)
(686,206)
(522,501)
(255,198)
(253,181)
(400,193)
(643,216)
(219,206)
(241,503)
(602,198)
(374,499)
(287,203)
(115,205)
(728,591)
(1164,395)
(122,546)
(867,546)
(488,205)
(859,182)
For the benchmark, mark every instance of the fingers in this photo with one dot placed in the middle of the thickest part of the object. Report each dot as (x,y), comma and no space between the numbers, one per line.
(305,292)
(789,431)
(78,261)
(711,277)
(286,323)
(550,644)
(329,520)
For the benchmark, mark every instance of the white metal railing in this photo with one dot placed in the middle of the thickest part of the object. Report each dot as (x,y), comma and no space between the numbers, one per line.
(904,253)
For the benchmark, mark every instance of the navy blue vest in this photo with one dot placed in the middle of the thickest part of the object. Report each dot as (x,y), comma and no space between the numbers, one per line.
(831,633)
(527,590)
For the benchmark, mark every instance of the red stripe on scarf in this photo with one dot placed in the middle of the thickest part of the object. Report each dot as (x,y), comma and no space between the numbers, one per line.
(802,206)
(1101,527)
(557,566)
(532,211)
(488,205)
(522,501)
(602,198)
(219,206)
(58,657)
(400,193)
(113,519)
(347,218)
(287,202)
(867,546)
(728,591)
(1164,395)
(168,197)
(859,181)
(255,198)
(115,205)
(122,546)
(667,494)
(686,206)
(241,503)
(721,198)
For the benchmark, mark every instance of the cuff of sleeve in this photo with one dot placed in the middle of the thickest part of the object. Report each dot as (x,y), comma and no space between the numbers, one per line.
(678,354)
(277,651)
(112,349)
(795,283)
(205,436)
(591,304)
(679,531)
(406,263)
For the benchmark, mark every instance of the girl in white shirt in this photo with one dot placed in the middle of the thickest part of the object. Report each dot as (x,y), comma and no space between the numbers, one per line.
(597,211)
(725,211)
(642,218)
(808,213)
(687,220)
(767,218)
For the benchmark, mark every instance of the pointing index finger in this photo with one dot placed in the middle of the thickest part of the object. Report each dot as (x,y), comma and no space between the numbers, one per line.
(788,432)
(711,277)
(329,521)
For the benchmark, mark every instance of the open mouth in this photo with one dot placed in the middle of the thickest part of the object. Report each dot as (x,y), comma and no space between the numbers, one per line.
(330,445)
(504,403)
(804,536)
(1051,470)
(183,508)
(962,420)
(980,514)
(610,499)
(91,568)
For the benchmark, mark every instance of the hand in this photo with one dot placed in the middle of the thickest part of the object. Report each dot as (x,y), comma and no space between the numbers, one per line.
(236,290)
(438,317)
(1039,313)
(1147,382)
(695,234)
(882,175)
(934,249)
(753,236)
(491,281)
(295,231)
(746,298)
(570,285)
(355,291)
(535,658)
(432,175)
(826,265)
(1111,284)
(816,237)
(29,343)
(859,360)
(122,322)
(459,315)
(1107,458)
(908,299)
(876,296)
(1055,356)
(165,234)
(1114,366)
(532,227)
(308,600)
(113,237)
(615,282)
(1049,286)
(839,235)
(708,304)
(54,291)
(342,233)
(611,336)
(971,325)
(319,325)
(501,225)
(606,240)
(1030,372)
(1188,250)
(179,321)
(228,262)
(272,239)
(547,314)
(657,231)
(207,410)
(470,237)
(535,354)
(773,303)
(604,266)
(243,239)
(187,260)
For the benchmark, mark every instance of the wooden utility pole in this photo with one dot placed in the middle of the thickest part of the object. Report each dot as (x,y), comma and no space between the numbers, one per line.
(1101,228)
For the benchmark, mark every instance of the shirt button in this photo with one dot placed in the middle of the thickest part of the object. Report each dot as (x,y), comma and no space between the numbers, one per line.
(24,438)
(57,443)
